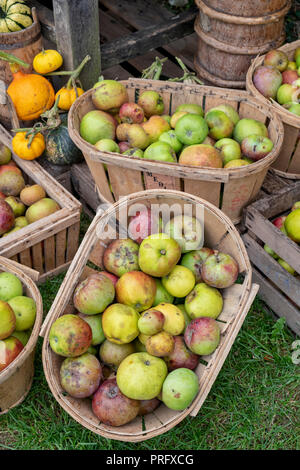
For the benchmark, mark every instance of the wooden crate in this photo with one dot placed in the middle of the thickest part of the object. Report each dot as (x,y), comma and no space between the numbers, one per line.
(48,245)
(288,163)
(229,189)
(16,378)
(278,288)
(219,233)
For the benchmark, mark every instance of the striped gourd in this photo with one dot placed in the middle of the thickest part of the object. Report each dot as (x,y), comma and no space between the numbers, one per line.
(14,16)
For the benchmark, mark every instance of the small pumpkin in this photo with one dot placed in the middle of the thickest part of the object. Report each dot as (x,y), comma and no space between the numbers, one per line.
(60,149)
(67,96)
(14,16)
(28,152)
(47,61)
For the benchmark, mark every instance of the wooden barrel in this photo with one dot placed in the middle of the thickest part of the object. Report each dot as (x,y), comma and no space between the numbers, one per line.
(253,8)
(16,378)
(228,43)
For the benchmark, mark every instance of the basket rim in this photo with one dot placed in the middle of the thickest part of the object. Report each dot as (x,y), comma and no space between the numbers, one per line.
(216,174)
(66,291)
(5,265)
(285,115)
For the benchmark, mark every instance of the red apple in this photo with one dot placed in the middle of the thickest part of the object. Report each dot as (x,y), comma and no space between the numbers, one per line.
(289,76)
(279,222)
(202,335)
(267,80)
(10,348)
(277,59)
(220,270)
(80,376)
(7,218)
(131,113)
(110,276)
(181,356)
(136,289)
(147,406)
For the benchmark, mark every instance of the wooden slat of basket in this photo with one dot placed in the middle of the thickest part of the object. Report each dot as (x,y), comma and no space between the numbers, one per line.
(60,247)
(49,253)
(211,101)
(125,181)
(37,257)
(99,175)
(291,135)
(73,236)
(246,111)
(155,181)
(25,258)
(32,273)
(203,189)
(237,194)
(295,162)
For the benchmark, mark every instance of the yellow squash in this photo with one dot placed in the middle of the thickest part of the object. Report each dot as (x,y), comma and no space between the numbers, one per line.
(67,96)
(20,146)
(47,61)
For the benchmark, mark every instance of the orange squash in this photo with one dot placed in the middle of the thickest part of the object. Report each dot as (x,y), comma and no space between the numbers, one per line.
(67,96)
(31,95)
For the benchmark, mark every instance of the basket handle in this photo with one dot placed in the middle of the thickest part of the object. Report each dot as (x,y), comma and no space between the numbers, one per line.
(213,373)
(32,273)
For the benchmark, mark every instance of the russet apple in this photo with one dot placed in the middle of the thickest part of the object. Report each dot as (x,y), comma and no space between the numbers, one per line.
(120,323)
(161,344)
(136,289)
(158,254)
(180,388)
(220,270)
(31,194)
(121,131)
(80,376)
(204,301)
(202,335)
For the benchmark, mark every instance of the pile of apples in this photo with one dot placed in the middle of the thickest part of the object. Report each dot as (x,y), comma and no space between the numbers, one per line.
(290,226)
(279,79)
(143,324)
(17,317)
(20,205)
(216,139)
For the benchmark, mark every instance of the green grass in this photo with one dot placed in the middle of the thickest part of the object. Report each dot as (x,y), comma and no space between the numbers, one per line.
(253,403)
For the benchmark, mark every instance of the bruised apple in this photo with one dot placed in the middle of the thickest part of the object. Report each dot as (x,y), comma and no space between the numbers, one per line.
(160,345)
(80,376)
(113,354)
(181,356)
(121,256)
(70,336)
(136,289)
(151,322)
(193,260)
(220,270)
(131,113)
(94,294)
(202,336)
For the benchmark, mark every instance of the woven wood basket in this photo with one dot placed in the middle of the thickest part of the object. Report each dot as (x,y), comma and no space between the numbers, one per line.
(219,233)
(288,163)
(16,379)
(228,189)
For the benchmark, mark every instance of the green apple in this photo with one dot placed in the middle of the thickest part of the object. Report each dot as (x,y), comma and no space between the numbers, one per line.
(180,388)
(140,376)
(236,163)
(167,118)
(17,205)
(25,311)
(5,154)
(186,230)
(295,109)
(95,322)
(158,254)
(246,127)
(190,108)
(191,129)
(21,222)
(170,138)
(291,65)
(176,116)
(271,252)
(286,266)
(179,282)
(107,145)
(220,126)
(285,93)
(134,152)
(194,260)
(22,336)
(292,225)
(229,111)
(162,295)
(10,286)
(187,318)
(160,151)
(204,301)
(229,149)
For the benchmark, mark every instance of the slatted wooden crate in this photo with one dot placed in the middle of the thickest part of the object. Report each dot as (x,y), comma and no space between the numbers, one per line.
(221,234)
(278,288)
(229,189)
(48,245)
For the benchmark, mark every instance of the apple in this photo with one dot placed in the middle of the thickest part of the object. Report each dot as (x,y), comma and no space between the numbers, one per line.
(190,108)
(191,129)
(194,259)
(7,218)
(271,252)
(176,116)
(180,388)
(97,125)
(267,80)
(131,113)
(204,301)
(134,152)
(22,336)
(151,102)
(17,205)
(113,354)
(286,266)
(121,256)
(139,346)
(158,254)
(154,127)
(80,377)
(11,183)
(121,131)
(285,93)
(296,205)
(25,311)
(111,406)
(220,270)
(160,151)
(110,276)
(70,336)
(201,155)
(279,221)
(10,348)
(95,322)
(7,320)
(31,194)
(219,124)
(120,323)
(170,138)
(140,376)
(142,224)
(147,406)
(237,163)
(181,356)
(179,282)
(187,319)
(137,137)
(143,338)
(294,108)
(136,289)
(5,154)
(162,295)
(167,118)
(276,58)
(291,65)
(229,111)
(186,230)
(109,95)
(289,76)
(10,286)
(107,145)
(174,318)
(151,322)
(94,294)
(123,146)
(292,225)
(246,127)
(229,149)
(256,147)
(202,335)
(161,344)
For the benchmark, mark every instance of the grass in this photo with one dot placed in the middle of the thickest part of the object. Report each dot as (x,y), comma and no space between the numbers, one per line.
(253,403)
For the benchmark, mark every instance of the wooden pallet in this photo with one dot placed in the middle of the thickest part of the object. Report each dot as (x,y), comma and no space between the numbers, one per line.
(278,288)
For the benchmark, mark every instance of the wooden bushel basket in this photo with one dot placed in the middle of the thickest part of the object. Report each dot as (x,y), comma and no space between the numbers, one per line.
(229,189)
(287,164)
(219,233)
(16,379)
